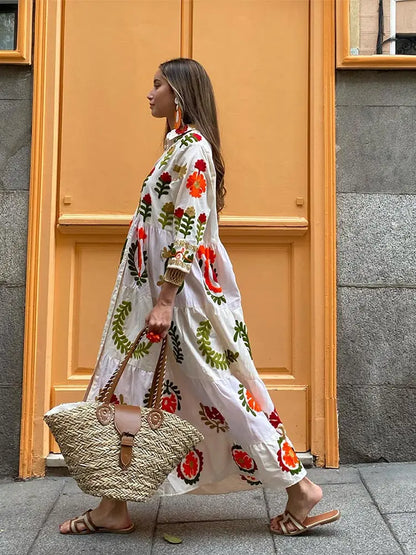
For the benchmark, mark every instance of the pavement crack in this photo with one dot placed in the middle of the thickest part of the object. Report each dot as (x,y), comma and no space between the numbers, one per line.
(59,493)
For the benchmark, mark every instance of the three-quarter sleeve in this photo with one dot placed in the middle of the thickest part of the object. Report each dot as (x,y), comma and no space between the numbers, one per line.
(196,193)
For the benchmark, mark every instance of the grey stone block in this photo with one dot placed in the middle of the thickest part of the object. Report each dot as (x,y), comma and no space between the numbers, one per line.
(212,538)
(72,503)
(12,303)
(375,149)
(342,475)
(376,423)
(15,82)
(360,530)
(232,506)
(376,239)
(393,487)
(376,339)
(13,237)
(23,509)
(15,131)
(10,401)
(375,88)
(403,526)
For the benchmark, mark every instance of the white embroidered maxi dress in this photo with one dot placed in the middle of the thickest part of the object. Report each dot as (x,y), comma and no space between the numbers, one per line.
(211,379)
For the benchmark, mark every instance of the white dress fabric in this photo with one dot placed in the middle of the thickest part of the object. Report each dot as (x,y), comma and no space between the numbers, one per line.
(211,379)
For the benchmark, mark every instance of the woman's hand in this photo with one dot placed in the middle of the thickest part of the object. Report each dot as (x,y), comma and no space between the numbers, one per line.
(159,318)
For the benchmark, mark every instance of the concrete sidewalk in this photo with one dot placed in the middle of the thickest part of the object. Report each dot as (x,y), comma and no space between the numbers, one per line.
(377,502)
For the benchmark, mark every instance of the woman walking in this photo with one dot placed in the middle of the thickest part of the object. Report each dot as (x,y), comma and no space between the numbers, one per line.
(175,276)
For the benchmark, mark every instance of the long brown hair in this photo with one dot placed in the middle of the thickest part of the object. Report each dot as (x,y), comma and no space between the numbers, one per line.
(195,94)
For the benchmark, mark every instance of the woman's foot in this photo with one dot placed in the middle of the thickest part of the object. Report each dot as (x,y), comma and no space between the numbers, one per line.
(110,514)
(302,498)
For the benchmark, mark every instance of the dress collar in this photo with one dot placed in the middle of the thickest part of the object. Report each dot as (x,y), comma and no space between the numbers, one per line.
(174,135)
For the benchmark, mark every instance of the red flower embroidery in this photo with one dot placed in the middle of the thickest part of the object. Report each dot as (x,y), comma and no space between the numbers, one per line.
(114,400)
(179,212)
(196,136)
(147,199)
(196,184)
(169,403)
(181,130)
(202,218)
(191,466)
(214,414)
(141,234)
(201,165)
(243,459)
(206,256)
(274,419)
(165,177)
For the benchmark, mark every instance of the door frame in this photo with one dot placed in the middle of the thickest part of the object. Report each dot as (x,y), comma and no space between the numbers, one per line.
(42,225)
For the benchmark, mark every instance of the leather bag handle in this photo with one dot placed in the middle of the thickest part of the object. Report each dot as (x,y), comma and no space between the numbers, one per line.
(158,377)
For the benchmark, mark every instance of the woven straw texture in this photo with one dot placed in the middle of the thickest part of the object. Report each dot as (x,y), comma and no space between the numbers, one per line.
(92,451)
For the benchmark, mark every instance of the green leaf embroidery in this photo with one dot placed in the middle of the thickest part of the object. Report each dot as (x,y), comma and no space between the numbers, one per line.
(241,331)
(187,223)
(167,157)
(166,214)
(200,226)
(176,344)
(121,341)
(215,359)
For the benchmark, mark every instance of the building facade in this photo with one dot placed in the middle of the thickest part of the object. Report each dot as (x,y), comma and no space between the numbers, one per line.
(376,221)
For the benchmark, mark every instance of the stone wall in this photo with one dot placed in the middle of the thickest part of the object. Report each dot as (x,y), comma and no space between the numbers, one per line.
(376,200)
(15,133)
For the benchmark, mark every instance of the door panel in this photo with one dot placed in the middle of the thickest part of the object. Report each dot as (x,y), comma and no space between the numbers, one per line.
(108,143)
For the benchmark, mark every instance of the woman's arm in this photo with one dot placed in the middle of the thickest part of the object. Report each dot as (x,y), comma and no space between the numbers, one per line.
(160,317)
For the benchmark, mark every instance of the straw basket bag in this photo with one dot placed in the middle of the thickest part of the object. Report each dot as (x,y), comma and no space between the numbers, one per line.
(122,451)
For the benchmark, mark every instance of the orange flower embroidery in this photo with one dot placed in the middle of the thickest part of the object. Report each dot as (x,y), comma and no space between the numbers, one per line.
(196,184)
(289,455)
(252,403)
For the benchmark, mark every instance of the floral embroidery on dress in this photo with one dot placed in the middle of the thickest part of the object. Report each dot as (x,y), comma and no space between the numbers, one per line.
(206,257)
(218,360)
(163,184)
(190,468)
(166,214)
(145,206)
(241,331)
(246,464)
(176,343)
(114,399)
(137,258)
(248,401)
(196,181)
(171,397)
(121,341)
(287,458)
(274,419)
(181,254)
(213,418)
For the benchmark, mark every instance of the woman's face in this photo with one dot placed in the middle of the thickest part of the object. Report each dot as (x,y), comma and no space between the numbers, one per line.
(161,97)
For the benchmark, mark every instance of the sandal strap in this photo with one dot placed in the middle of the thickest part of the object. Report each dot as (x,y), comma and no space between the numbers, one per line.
(84,519)
(289,517)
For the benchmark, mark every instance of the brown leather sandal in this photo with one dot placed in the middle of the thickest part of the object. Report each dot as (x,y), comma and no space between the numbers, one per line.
(307,524)
(91,528)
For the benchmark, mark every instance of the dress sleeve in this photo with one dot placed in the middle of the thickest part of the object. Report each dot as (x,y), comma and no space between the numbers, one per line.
(194,201)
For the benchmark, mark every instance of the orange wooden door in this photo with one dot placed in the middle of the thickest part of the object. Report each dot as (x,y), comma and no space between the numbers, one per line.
(108,142)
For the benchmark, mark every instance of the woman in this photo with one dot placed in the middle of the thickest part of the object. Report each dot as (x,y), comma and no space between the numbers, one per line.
(175,276)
